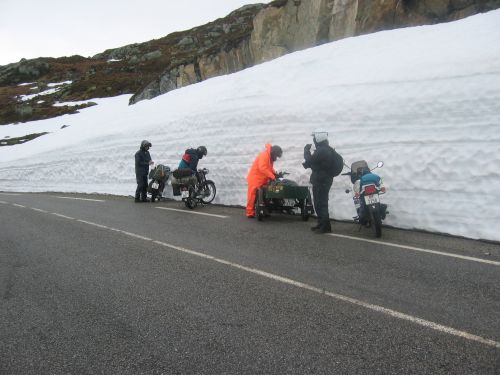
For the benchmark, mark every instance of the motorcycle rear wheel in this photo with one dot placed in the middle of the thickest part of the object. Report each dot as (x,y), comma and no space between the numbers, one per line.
(377,223)
(190,201)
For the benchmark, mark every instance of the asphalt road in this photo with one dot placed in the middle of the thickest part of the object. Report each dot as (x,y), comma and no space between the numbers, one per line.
(102,285)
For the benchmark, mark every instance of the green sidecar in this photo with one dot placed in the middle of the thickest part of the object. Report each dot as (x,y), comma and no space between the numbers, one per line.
(283,196)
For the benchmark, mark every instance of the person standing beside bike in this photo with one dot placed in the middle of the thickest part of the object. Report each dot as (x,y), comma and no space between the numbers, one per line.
(324,165)
(142,163)
(260,173)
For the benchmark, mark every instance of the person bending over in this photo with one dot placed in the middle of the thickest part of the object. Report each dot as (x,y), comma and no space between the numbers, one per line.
(260,173)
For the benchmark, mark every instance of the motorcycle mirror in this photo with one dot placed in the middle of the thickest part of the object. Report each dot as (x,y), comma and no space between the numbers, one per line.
(380,164)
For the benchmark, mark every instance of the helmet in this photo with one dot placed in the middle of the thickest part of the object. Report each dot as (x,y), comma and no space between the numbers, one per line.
(320,135)
(145,144)
(202,151)
(276,152)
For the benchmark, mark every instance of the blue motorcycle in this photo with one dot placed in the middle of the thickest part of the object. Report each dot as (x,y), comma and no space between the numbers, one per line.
(367,188)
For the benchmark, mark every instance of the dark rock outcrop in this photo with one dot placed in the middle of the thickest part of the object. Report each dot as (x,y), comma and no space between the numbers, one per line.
(286,26)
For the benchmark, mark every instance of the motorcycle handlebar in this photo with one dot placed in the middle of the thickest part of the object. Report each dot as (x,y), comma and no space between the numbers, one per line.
(281,174)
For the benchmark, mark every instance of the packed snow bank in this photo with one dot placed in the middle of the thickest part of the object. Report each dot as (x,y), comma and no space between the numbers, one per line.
(425,100)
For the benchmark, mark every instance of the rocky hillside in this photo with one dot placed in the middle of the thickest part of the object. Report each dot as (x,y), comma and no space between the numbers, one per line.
(248,36)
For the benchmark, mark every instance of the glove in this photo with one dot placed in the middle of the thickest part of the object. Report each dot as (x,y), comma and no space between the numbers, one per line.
(308,147)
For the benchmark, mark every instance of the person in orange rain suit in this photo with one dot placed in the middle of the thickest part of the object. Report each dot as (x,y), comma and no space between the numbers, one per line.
(260,173)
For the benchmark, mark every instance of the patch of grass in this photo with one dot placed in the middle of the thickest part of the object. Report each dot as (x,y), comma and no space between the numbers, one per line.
(97,78)
(20,140)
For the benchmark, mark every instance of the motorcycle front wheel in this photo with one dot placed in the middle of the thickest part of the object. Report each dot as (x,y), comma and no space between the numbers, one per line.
(259,205)
(208,192)
(304,213)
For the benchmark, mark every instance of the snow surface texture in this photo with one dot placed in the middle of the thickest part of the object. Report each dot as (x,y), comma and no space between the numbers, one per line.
(425,100)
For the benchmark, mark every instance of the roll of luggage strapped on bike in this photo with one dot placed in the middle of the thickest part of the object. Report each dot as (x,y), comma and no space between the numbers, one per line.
(183,172)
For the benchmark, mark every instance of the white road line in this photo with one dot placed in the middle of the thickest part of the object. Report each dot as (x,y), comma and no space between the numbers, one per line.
(492,262)
(39,210)
(94,224)
(10,194)
(3,202)
(18,205)
(396,314)
(82,199)
(63,216)
(135,235)
(192,212)
(377,308)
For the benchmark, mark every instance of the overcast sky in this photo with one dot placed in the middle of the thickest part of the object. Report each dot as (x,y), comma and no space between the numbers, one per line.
(54,28)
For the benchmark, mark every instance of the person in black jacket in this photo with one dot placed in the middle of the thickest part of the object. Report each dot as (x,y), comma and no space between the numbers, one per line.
(321,179)
(142,163)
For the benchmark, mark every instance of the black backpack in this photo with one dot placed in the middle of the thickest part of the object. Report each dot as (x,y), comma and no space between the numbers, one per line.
(337,163)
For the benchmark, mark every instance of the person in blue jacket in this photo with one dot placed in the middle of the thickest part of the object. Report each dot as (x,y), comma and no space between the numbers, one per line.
(191,158)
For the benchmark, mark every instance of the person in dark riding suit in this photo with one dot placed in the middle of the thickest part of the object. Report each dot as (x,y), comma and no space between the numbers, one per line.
(321,178)
(142,163)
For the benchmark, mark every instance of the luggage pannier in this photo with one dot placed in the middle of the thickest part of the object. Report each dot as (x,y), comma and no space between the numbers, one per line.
(177,182)
(159,172)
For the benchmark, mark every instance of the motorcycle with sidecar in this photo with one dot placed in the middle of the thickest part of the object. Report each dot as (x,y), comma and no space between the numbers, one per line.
(283,196)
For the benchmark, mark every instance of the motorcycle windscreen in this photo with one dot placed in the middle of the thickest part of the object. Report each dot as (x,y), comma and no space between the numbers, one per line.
(355,167)
(358,164)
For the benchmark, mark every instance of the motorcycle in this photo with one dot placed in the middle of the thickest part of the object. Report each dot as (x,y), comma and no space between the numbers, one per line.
(159,177)
(193,189)
(283,196)
(366,196)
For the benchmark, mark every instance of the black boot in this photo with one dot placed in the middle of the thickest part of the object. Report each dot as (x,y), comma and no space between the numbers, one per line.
(144,197)
(322,230)
(317,226)
(324,227)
